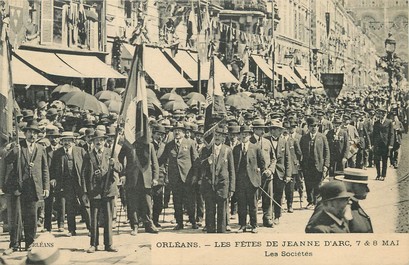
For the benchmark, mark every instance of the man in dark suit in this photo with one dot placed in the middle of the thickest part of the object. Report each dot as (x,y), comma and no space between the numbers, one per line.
(324,125)
(382,142)
(369,123)
(283,171)
(335,212)
(365,140)
(159,133)
(339,147)
(65,169)
(294,140)
(54,137)
(217,177)
(181,155)
(248,163)
(267,150)
(141,175)
(101,189)
(315,160)
(33,186)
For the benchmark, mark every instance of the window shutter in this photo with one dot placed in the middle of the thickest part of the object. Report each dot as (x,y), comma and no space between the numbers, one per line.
(93,36)
(47,21)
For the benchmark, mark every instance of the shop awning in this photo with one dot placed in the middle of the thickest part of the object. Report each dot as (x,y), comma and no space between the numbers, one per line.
(186,62)
(48,63)
(263,65)
(224,75)
(25,75)
(281,71)
(305,74)
(89,66)
(288,71)
(162,72)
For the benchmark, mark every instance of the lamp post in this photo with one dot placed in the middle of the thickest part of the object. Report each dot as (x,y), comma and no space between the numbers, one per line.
(390,46)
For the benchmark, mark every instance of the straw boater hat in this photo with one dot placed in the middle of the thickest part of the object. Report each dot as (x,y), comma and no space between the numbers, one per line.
(355,175)
(67,135)
(46,252)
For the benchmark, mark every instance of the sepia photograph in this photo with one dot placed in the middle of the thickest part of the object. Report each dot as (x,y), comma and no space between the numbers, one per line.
(167,132)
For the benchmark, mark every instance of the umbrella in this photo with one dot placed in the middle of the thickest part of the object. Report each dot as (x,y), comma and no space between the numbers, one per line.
(113,105)
(175,105)
(107,95)
(193,101)
(119,90)
(63,89)
(239,101)
(195,95)
(154,100)
(171,97)
(82,100)
(104,108)
(258,96)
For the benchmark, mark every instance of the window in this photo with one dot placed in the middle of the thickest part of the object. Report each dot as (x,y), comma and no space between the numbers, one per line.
(70,24)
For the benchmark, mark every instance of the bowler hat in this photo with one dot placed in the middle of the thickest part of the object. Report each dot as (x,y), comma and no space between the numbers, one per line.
(99,134)
(334,190)
(179,125)
(245,129)
(33,126)
(159,129)
(53,132)
(221,130)
(355,175)
(312,121)
(233,129)
(41,105)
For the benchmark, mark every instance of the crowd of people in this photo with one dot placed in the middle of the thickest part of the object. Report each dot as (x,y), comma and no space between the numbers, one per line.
(66,163)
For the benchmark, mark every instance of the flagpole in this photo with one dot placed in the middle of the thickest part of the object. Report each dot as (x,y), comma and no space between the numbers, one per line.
(199,63)
(17,213)
(214,88)
(137,51)
(272,50)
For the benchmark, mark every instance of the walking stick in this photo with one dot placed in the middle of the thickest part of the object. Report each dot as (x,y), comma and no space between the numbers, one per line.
(163,203)
(279,205)
(120,214)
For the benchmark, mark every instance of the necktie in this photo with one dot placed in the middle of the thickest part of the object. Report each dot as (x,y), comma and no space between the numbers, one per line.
(99,155)
(177,145)
(244,149)
(30,148)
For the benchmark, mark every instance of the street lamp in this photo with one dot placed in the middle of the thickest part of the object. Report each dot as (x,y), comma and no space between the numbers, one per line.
(390,47)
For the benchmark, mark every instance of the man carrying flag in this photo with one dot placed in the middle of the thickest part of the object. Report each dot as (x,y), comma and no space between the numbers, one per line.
(141,169)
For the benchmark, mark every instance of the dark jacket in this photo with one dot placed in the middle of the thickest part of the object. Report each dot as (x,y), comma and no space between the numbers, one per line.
(321,153)
(140,159)
(255,164)
(321,222)
(224,176)
(38,170)
(57,166)
(95,175)
(181,164)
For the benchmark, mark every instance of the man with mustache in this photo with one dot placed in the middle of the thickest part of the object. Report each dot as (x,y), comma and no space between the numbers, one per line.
(335,212)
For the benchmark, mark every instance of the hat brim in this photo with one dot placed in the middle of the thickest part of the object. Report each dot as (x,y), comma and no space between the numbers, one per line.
(32,129)
(102,136)
(342,178)
(64,257)
(343,195)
